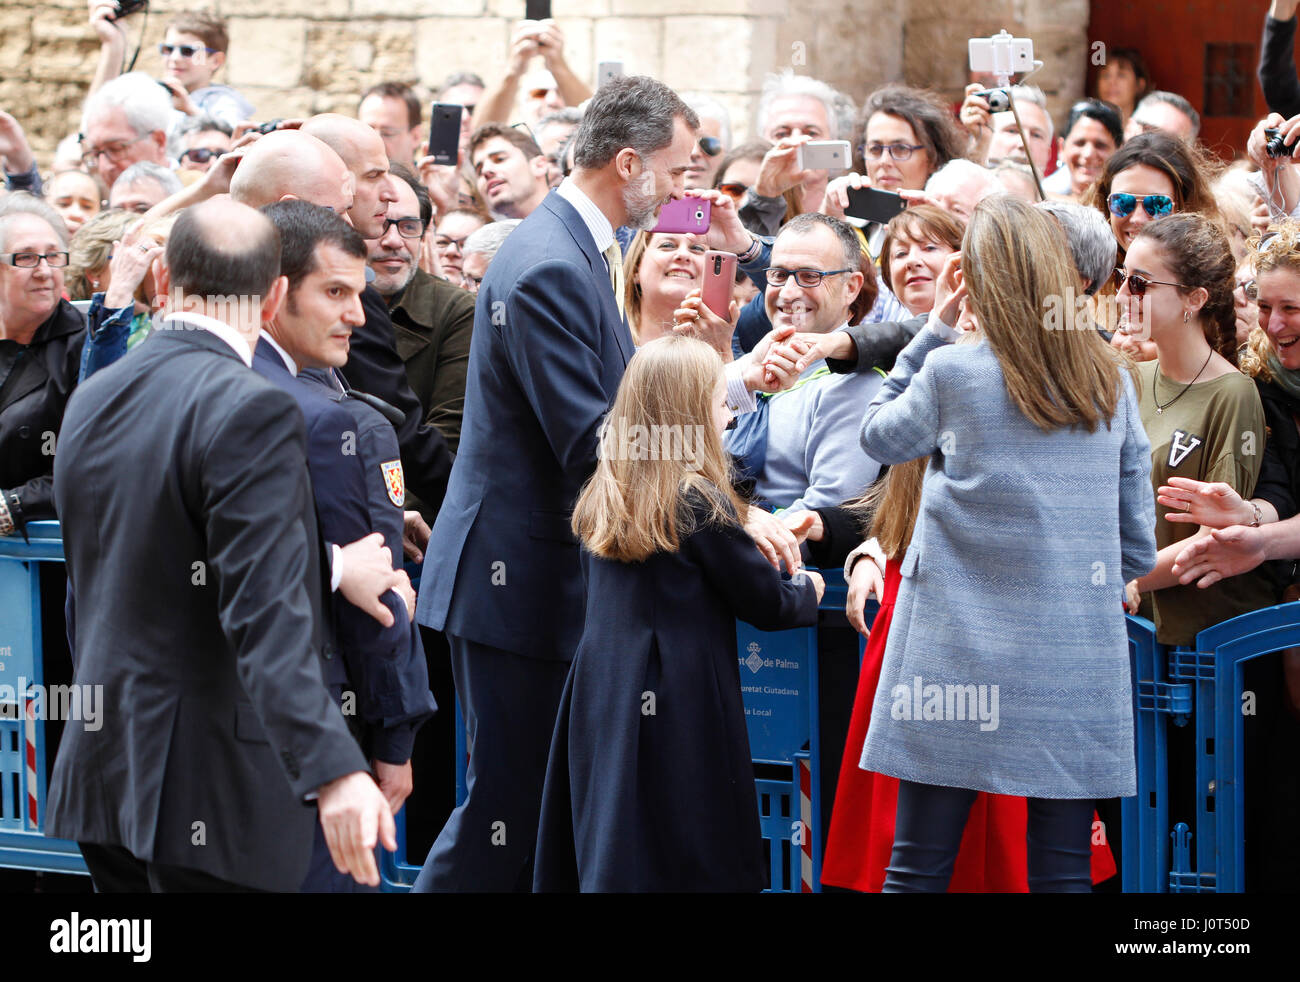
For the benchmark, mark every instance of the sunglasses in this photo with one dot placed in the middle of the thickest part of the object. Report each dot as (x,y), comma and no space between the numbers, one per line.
(1137,285)
(711,145)
(1122,205)
(201,155)
(734,189)
(184,50)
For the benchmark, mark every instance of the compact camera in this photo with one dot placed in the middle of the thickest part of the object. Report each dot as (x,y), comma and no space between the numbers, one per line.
(999,99)
(1275,147)
(127,7)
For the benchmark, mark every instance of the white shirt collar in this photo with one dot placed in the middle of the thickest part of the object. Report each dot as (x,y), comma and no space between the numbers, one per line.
(220,329)
(597,224)
(289,363)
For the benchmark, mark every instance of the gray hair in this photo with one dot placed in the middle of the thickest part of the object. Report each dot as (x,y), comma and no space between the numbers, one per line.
(848,238)
(707,107)
(1032,93)
(633,111)
(1175,100)
(569,116)
(488,239)
(1092,243)
(24,203)
(959,169)
(193,124)
(460,78)
(145,102)
(840,110)
(145,171)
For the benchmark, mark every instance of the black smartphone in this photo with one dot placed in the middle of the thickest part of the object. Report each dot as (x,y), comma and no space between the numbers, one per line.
(874,205)
(444,132)
(537,9)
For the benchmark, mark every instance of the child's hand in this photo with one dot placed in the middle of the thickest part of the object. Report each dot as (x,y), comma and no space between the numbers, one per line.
(865,580)
(818,583)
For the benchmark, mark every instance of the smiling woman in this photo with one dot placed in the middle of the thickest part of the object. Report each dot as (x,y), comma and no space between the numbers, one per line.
(41,335)
(665,267)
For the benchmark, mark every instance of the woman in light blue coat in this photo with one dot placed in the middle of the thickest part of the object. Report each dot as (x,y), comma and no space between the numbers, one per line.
(1006,668)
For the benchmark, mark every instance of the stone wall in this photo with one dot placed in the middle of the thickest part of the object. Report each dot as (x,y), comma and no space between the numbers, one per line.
(297,57)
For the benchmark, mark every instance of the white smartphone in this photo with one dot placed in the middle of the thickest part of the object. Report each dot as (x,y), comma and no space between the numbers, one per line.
(1001,54)
(607,71)
(824,155)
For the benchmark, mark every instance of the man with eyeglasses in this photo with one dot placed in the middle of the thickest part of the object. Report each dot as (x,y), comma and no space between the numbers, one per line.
(432,319)
(123,123)
(393,111)
(810,456)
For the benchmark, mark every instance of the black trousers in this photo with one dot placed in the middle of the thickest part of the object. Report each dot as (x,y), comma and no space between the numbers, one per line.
(929,826)
(509,703)
(115,870)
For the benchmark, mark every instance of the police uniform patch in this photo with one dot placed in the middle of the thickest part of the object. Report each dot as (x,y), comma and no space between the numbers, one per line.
(394,481)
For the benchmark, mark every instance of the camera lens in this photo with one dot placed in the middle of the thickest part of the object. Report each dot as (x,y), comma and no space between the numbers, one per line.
(699,215)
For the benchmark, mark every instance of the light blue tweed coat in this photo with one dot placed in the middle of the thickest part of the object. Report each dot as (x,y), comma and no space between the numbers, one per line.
(1014,578)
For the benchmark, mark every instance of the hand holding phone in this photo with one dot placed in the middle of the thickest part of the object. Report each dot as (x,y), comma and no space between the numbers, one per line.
(444,132)
(719,281)
(825,155)
(685,215)
(874,205)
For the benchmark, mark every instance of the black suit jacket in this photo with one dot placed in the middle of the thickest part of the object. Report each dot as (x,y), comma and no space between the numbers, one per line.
(374,366)
(181,482)
(548,351)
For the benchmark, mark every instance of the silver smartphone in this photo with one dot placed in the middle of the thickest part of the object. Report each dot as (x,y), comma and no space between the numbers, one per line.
(825,155)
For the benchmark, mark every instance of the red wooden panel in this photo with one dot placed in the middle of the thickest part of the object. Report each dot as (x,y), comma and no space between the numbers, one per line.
(1172,37)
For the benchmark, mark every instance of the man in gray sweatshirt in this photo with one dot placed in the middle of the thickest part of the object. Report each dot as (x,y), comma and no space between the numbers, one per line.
(810,456)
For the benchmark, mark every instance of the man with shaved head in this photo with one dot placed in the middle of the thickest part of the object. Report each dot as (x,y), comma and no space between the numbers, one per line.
(292,164)
(362,151)
(198,607)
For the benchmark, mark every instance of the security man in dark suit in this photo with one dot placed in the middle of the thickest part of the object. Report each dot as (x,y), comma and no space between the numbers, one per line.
(502,573)
(385,681)
(193,557)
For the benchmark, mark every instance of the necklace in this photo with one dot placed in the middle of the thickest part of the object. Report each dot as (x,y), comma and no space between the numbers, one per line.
(1159,408)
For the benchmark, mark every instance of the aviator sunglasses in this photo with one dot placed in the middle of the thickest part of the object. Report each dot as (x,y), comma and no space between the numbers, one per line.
(1137,285)
(1122,205)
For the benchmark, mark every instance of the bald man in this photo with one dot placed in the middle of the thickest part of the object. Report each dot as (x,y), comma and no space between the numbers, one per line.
(292,164)
(362,151)
(225,721)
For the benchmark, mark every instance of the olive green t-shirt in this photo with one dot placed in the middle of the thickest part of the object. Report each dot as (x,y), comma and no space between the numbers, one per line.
(1212,432)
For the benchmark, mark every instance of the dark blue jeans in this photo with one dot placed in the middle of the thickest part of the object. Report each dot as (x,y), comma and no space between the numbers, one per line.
(930,821)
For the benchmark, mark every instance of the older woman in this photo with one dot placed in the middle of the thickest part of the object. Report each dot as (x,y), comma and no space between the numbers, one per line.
(41,336)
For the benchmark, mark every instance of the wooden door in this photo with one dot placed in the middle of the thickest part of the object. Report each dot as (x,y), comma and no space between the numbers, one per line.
(1205,50)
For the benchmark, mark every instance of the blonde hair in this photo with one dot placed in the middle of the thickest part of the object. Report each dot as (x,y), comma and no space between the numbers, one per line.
(1016,265)
(894,504)
(90,248)
(1277,248)
(658,442)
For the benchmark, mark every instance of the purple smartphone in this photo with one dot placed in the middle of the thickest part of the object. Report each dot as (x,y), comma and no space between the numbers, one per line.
(687,215)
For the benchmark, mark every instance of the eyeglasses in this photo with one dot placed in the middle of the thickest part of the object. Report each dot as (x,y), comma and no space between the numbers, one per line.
(184,50)
(806,278)
(734,189)
(201,155)
(1137,285)
(539,93)
(113,151)
(899,151)
(446,242)
(407,228)
(711,145)
(1122,205)
(30,260)
(1249,289)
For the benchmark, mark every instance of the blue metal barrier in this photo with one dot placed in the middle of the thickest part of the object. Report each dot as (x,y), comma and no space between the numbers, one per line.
(23,750)
(1204,685)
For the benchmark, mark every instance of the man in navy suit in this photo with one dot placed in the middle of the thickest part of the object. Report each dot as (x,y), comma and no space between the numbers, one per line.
(502,573)
(377,674)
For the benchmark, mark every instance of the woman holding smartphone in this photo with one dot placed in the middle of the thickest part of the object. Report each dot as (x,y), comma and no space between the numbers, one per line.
(1006,668)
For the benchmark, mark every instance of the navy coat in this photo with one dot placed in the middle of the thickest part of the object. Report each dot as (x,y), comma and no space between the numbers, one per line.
(548,351)
(650,785)
(390,682)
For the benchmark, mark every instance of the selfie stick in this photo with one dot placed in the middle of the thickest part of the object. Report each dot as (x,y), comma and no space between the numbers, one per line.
(1004,81)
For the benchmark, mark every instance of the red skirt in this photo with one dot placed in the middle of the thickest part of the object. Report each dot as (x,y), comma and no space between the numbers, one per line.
(992,858)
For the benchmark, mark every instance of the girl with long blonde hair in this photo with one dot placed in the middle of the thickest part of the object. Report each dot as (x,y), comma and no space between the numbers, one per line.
(649,784)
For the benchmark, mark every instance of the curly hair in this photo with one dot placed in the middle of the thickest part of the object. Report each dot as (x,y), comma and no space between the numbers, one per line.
(930,118)
(1277,248)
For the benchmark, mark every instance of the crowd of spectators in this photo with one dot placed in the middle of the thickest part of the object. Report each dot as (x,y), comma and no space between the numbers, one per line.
(1178,267)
